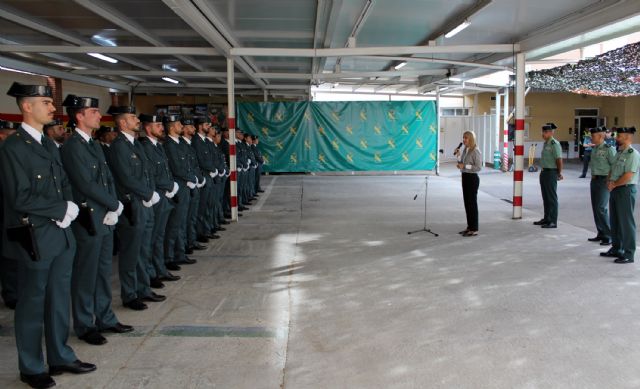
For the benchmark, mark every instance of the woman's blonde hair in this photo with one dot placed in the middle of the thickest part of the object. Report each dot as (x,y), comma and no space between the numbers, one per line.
(472,139)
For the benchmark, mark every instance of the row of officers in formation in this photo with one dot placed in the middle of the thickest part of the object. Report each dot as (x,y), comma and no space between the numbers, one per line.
(614,175)
(64,197)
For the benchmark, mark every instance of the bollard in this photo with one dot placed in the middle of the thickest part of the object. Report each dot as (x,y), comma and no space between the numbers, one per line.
(496,159)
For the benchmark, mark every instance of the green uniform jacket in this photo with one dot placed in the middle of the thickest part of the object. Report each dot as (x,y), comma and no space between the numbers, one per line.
(91,179)
(130,167)
(219,161)
(193,159)
(179,161)
(36,186)
(203,152)
(160,169)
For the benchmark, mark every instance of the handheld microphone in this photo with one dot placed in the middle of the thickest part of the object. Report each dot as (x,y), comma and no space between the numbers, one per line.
(457,148)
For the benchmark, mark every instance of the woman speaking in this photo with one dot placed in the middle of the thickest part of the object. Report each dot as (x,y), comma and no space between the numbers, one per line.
(470,163)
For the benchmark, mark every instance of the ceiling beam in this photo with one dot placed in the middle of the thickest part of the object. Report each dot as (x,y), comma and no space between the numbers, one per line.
(42,26)
(360,51)
(204,85)
(51,72)
(336,6)
(150,73)
(360,20)
(105,11)
(140,50)
(440,61)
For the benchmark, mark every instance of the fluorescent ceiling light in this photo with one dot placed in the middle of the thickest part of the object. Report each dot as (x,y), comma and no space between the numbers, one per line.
(171,80)
(169,68)
(400,65)
(456,30)
(102,41)
(67,65)
(103,57)
(455,79)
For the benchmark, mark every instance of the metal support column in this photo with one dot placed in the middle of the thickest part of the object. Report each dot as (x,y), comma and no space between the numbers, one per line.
(231,124)
(518,172)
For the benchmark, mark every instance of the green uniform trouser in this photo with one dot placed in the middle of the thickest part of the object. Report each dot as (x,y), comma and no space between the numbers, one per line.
(623,225)
(192,217)
(9,279)
(213,203)
(44,301)
(129,259)
(600,205)
(91,282)
(203,224)
(161,214)
(549,187)
(145,257)
(174,241)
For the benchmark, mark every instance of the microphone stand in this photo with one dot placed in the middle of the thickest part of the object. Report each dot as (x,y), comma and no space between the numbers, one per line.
(424,227)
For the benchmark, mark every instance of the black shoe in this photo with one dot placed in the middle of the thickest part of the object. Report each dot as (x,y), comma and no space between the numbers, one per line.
(94,338)
(596,239)
(154,298)
(136,305)
(221,229)
(119,328)
(75,367)
(611,253)
(202,239)
(623,260)
(224,222)
(540,222)
(211,234)
(188,250)
(156,283)
(214,236)
(260,191)
(198,246)
(582,176)
(242,208)
(172,266)
(605,242)
(170,277)
(187,261)
(239,214)
(227,216)
(38,381)
(11,304)
(549,225)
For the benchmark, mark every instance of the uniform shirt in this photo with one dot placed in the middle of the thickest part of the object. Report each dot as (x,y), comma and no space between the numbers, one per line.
(627,160)
(472,161)
(602,157)
(586,141)
(550,152)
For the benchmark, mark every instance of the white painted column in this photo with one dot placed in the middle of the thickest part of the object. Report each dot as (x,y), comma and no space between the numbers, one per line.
(496,123)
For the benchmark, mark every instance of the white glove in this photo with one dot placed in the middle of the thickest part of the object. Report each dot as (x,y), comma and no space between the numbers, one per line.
(72,211)
(66,222)
(120,209)
(197,182)
(154,200)
(191,185)
(110,219)
(175,189)
(224,172)
(204,182)
(169,195)
(216,173)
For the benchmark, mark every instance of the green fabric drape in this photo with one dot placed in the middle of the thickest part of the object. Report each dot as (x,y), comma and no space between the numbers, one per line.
(343,136)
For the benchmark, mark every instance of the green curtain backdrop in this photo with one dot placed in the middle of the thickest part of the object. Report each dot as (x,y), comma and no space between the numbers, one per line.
(343,136)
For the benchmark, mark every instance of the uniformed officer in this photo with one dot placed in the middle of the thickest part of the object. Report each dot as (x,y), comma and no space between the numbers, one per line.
(55,131)
(253,166)
(551,163)
(136,190)
(224,147)
(8,266)
(220,162)
(168,188)
(259,159)
(37,191)
(94,189)
(602,157)
(185,176)
(622,185)
(192,240)
(587,145)
(242,168)
(204,148)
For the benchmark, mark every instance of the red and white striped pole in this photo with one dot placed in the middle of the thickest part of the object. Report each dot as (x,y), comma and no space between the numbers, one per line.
(231,124)
(518,173)
(505,131)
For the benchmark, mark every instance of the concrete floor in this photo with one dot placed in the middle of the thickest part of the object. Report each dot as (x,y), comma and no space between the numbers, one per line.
(320,286)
